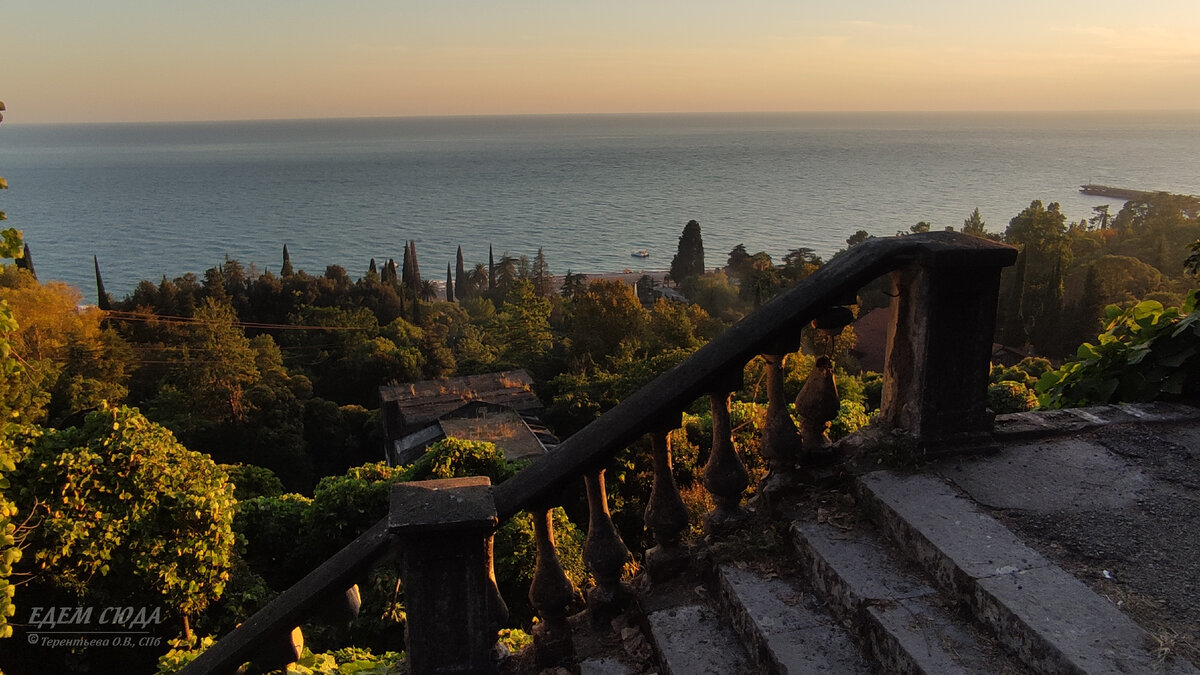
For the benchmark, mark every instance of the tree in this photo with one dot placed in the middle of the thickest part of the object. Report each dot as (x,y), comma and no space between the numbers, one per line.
(689,259)
(522,326)
(103,301)
(414,281)
(857,238)
(573,286)
(449,285)
(506,274)
(428,290)
(608,316)
(799,263)
(478,280)
(460,276)
(11,536)
(491,269)
(974,224)
(1041,234)
(286,270)
(216,365)
(129,517)
(920,227)
(543,283)
(738,263)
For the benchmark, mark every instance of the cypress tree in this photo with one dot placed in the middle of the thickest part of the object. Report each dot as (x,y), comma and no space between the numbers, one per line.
(449,285)
(543,285)
(460,277)
(689,260)
(416,268)
(102,300)
(491,269)
(25,262)
(406,269)
(286,270)
(389,272)
(372,270)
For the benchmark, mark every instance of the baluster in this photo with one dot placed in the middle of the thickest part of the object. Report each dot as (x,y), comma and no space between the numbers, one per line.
(550,593)
(281,651)
(817,404)
(341,609)
(780,440)
(725,475)
(605,555)
(666,516)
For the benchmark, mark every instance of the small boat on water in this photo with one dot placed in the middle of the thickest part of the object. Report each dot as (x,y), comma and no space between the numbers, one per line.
(641,253)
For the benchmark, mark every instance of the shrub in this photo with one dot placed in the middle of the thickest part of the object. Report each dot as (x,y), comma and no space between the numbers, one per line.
(1146,352)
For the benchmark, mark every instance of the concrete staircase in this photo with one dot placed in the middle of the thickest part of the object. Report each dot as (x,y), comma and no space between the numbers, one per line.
(927,583)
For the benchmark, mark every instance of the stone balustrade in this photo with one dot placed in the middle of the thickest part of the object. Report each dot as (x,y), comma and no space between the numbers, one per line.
(938,358)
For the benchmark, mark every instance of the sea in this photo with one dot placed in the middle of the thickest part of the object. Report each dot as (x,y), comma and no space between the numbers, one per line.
(165,199)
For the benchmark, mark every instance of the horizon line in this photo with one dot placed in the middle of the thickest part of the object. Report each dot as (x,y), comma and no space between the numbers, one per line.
(9,121)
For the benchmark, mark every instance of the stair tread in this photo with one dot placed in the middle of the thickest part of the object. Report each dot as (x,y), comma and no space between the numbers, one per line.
(1053,620)
(693,640)
(788,633)
(908,628)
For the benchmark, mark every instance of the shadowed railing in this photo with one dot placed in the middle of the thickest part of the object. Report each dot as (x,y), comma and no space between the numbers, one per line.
(935,388)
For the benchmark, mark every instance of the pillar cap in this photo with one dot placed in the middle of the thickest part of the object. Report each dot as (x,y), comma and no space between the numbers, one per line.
(445,504)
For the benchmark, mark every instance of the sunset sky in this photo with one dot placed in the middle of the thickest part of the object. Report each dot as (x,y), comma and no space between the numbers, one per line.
(142,60)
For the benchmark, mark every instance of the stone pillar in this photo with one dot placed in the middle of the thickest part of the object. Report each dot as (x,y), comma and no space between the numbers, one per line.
(444,528)
(940,345)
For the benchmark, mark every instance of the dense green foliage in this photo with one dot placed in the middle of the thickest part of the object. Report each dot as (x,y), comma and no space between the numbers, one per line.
(1146,352)
(1053,298)
(125,514)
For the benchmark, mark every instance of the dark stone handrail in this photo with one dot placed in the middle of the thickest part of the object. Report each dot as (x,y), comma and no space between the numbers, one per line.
(950,260)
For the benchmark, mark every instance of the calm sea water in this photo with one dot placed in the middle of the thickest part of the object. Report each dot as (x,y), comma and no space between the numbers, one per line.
(164,199)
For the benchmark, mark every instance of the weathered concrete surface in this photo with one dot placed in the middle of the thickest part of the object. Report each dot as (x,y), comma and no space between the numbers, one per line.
(1116,503)
(692,640)
(603,666)
(904,622)
(1068,473)
(1055,623)
(785,632)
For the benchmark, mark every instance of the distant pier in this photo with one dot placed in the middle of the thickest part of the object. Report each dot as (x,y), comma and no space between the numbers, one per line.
(1116,192)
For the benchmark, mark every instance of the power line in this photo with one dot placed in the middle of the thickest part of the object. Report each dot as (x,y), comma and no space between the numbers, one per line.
(190,320)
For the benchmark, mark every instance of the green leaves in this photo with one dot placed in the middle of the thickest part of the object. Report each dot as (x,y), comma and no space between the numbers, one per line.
(1147,352)
(128,515)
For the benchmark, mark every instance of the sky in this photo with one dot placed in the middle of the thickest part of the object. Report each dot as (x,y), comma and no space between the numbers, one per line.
(160,60)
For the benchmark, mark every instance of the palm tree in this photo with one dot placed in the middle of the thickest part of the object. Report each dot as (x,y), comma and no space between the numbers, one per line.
(429,290)
(478,279)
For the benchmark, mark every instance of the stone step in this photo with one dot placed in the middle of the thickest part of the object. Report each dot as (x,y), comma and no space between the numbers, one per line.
(902,622)
(1050,619)
(784,629)
(693,640)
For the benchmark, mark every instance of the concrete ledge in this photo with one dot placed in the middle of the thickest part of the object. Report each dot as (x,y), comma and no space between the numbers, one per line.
(1017,426)
(1053,621)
